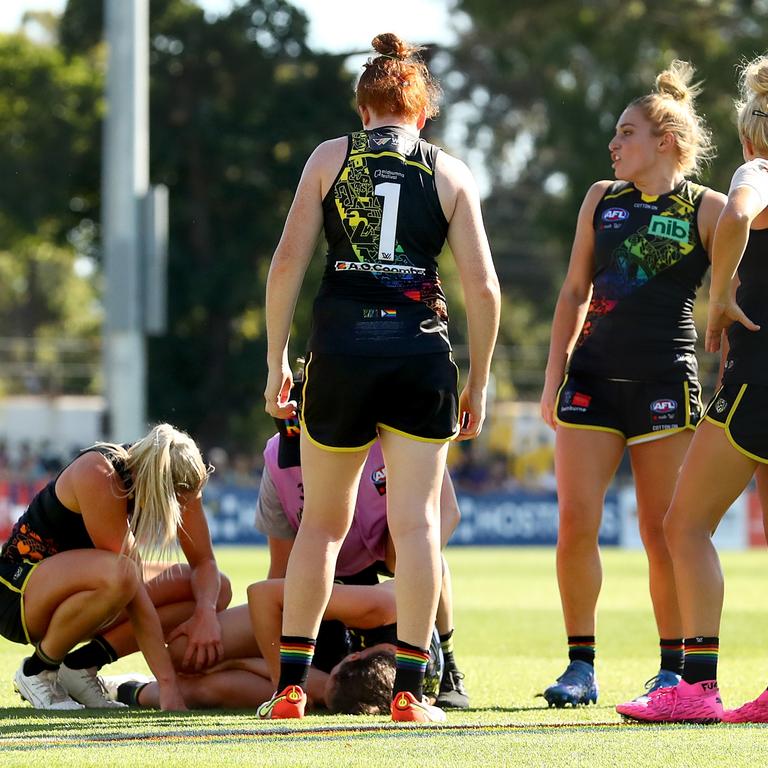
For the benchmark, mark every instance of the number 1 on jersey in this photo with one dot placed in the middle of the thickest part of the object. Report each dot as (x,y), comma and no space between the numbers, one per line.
(391,194)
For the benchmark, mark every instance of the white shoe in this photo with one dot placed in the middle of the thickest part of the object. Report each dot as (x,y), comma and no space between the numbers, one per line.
(43,691)
(112,682)
(85,686)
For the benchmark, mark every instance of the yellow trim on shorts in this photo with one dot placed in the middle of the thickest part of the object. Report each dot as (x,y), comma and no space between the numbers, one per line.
(379,425)
(649,437)
(303,424)
(456,432)
(727,427)
(304,388)
(333,448)
(420,439)
(20,590)
(590,427)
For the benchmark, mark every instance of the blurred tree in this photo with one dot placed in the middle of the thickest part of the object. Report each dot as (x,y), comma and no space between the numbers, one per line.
(49,138)
(538,86)
(237,105)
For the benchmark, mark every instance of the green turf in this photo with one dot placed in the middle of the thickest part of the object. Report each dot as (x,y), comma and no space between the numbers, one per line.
(510,643)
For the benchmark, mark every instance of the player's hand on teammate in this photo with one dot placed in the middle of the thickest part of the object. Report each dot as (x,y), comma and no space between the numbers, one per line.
(277,393)
(204,646)
(721,316)
(471,412)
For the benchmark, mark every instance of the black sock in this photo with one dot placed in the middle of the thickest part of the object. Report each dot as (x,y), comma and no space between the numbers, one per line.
(411,663)
(97,653)
(446,643)
(700,659)
(38,662)
(581,648)
(296,654)
(672,655)
(128,692)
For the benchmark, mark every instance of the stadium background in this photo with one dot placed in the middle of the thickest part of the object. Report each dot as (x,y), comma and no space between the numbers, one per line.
(238,98)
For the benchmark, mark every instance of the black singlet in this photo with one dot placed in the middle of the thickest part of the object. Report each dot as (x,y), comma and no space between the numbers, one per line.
(649,261)
(47,527)
(748,353)
(381,292)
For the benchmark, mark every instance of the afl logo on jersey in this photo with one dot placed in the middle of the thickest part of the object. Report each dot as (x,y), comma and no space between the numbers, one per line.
(664,406)
(615,214)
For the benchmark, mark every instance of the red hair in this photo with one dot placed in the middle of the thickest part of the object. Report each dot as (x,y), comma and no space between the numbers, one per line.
(397,81)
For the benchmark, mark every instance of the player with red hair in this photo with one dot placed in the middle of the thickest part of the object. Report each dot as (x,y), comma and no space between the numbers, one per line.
(379,363)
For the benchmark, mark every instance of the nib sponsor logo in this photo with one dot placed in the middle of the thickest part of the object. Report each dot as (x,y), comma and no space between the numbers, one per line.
(672,229)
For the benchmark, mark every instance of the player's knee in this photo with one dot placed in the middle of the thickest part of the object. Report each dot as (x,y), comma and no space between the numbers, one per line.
(120,578)
(653,537)
(573,532)
(676,530)
(329,534)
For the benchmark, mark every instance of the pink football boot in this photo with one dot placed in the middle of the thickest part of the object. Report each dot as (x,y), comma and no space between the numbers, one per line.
(752,712)
(683,703)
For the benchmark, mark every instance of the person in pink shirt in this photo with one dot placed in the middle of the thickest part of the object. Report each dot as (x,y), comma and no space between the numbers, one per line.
(367,549)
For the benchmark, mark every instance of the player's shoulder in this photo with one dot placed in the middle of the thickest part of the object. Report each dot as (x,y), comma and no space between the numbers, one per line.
(331,147)
(452,167)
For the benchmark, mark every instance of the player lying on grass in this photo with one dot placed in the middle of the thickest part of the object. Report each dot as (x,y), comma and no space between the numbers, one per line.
(70,571)
(367,549)
(353,670)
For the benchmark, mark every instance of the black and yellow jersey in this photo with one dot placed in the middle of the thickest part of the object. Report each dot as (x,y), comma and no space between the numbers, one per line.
(649,261)
(748,350)
(381,293)
(47,527)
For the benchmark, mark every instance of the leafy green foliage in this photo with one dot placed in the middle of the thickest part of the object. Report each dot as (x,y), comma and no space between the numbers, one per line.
(49,138)
(237,105)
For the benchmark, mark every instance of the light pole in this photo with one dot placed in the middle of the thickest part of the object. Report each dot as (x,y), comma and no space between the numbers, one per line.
(134,221)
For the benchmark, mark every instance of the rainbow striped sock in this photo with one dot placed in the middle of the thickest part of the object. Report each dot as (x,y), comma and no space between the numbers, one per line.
(296,655)
(411,663)
(581,648)
(672,655)
(700,658)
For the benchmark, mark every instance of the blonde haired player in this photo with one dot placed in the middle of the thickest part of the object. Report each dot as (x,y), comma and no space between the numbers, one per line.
(71,570)
(622,372)
(732,442)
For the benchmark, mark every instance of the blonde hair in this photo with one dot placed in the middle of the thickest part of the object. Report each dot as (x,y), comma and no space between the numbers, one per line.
(162,464)
(670,109)
(397,81)
(752,108)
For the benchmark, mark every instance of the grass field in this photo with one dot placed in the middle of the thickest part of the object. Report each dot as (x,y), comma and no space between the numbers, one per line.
(510,643)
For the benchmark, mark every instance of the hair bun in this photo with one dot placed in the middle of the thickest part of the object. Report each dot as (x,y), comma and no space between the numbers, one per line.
(675,82)
(756,77)
(389,44)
